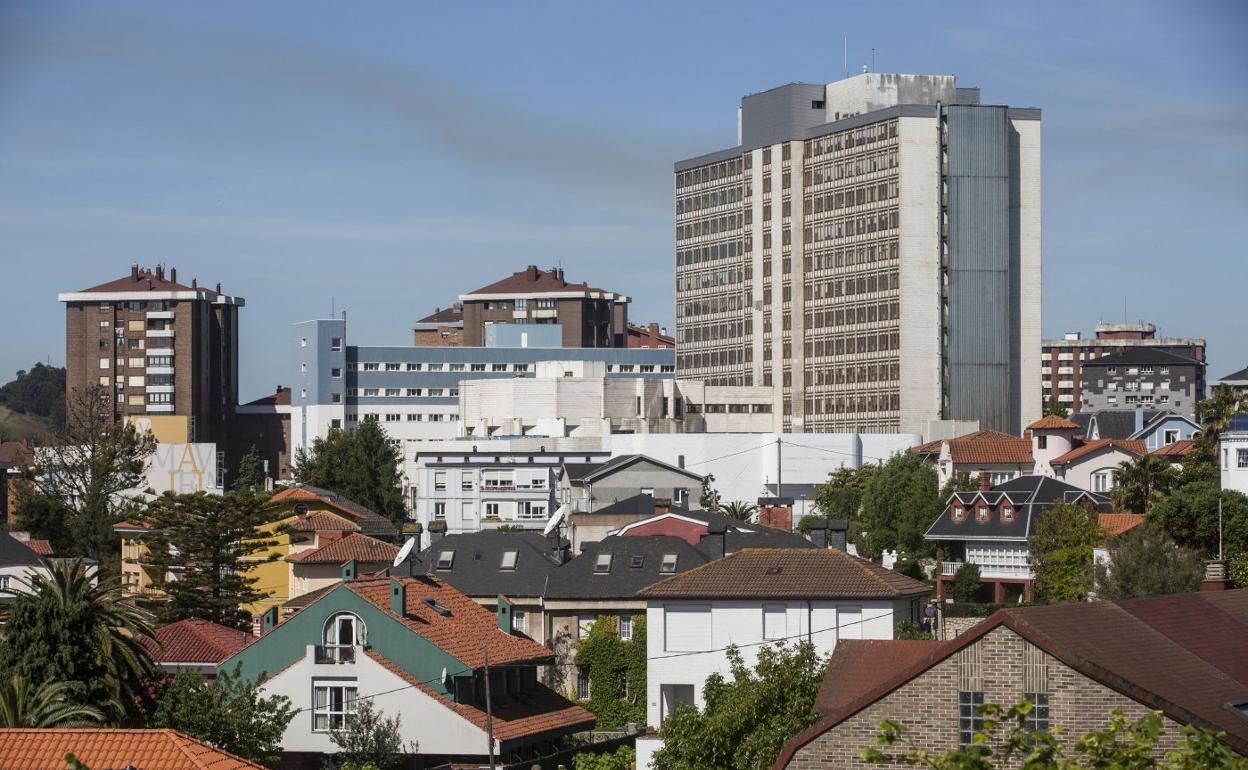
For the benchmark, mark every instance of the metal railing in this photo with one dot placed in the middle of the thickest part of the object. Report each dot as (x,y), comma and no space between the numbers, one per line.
(334,654)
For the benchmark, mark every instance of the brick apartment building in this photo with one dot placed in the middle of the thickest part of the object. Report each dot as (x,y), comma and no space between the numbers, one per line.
(443,328)
(589,317)
(1179,654)
(160,348)
(650,336)
(1062,361)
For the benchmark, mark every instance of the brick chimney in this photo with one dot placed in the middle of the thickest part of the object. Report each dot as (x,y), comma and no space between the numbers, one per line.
(134,271)
(985,481)
(173,274)
(160,272)
(1216,578)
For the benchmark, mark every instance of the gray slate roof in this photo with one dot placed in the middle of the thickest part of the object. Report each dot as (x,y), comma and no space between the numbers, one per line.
(579,473)
(478,555)
(1143,355)
(1240,376)
(15,553)
(577,580)
(1030,496)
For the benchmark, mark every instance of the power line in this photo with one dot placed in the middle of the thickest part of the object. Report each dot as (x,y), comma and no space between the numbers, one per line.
(734,454)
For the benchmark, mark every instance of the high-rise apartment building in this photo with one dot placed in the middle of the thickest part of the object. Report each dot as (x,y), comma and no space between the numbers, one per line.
(1062,361)
(162,350)
(872,246)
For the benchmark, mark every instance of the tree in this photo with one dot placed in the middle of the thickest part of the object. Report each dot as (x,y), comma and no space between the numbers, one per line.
(841,495)
(1214,413)
(623,758)
(360,465)
(617,672)
(1123,744)
(739,510)
(1137,481)
(45,518)
(87,468)
(900,501)
(1145,562)
(1055,408)
(69,628)
(40,392)
(369,739)
(1060,552)
(709,499)
(748,716)
(210,542)
(50,704)
(229,713)
(1189,514)
(965,583)
(250,476)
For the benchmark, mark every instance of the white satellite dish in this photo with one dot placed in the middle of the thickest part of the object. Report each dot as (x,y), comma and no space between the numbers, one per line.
(555,520)
(405,551)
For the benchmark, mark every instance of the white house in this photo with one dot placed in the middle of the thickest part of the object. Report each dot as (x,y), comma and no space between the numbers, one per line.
(758,597)
(18,564)
(1233,454)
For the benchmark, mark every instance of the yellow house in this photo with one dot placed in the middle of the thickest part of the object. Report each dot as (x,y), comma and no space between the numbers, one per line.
(136,575)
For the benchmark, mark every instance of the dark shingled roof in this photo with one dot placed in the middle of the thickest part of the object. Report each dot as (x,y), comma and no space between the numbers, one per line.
(579,473)
(452,314)
(577,579)
(1181,654)
(532,280)
(1030,496)
(788,573)
(1143,355)
(475,571)
(15,553)
(1241,375)
(861,664)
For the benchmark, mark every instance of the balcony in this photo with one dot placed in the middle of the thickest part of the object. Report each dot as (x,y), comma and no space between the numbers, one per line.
(1021,572)
(160,408)
(160,370)
(165,333)
(162,315)
(323,654)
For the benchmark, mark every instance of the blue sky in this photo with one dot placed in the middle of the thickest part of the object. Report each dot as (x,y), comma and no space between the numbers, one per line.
(385,157)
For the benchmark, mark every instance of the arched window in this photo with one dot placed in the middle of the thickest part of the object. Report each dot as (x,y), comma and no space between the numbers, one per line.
(1103,480)
(343,633)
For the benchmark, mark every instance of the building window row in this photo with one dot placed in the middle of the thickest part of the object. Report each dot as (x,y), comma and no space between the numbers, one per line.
(710,173)
(849,226)
(724,196)
(852,139)
(709,226)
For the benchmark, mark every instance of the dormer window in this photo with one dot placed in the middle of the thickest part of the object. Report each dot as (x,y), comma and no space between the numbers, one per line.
(1007,513)
(343,632)
(445,559)
(637,561)
(982,513)
(603,564)
(509,560)
(668,565)
(957,513)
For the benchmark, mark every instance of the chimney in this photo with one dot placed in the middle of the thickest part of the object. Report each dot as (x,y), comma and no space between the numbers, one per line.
(654,330)
(268,621)
(985,481)
(134,271)
(819,532)
(1215,577)
(218,287)
(349,570)
(173,274)
(531,272)
(160,272)
(504,614)
(836,533)
(398,597)
(194,283)
(717,540)
(437,529)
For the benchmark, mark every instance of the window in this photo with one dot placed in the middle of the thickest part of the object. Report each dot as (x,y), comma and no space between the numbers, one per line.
(1170,436)
(371,367)
(1241,458)
(583,624)
(582,683)
(439,511)
(1007,513)
(371,391)
(602,565)
(445,559)
(687,629)
(439,481)
(335,398)
(103,363)
(636,561)
(774,621)
(335,343)
(982,513)
(393,417)
(520,621)
(342,633)
(1042,442)
(957,512)
(331,703)
(1038,719)
(668,565)
(509,560)
(392,391)
(970,720)
(465,481)
(1103,481)
(626,627)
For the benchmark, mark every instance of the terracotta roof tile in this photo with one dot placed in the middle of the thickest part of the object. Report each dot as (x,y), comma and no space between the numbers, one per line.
(463,632)
(1088,447)
(356,546)
(196,641)
(1053,422)
(861,664)
(775,573)
(317,521)
(982,446)
(370,522)
(112,749)
(1116,524)
(41,547)
(15,453)
(538,712)
(1180,448)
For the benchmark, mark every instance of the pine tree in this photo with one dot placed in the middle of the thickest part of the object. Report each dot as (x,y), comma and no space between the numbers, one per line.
(209,543)
(360,465)
(1146,562)
(250,476)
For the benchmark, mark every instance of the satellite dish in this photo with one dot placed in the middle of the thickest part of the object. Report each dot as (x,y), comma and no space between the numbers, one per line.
(555,520)
(405,551)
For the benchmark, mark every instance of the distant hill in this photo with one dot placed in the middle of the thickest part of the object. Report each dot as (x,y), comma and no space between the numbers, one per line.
(32,404)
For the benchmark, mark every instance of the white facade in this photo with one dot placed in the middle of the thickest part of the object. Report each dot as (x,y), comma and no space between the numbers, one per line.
(424,719)
(1233,460)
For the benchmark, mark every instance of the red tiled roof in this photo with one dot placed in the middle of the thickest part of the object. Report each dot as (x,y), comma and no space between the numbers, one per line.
(41,547)
(982,446)
(15,453)
(146,280)
(463,633)
(1180,448)
(196,641)
(318,521)
(1116,524)
(774,573)
(540,711)
(532,280)
(861,664)
(1181,654)
(356,546)
(1088,447)
(1053,422)
(103,748)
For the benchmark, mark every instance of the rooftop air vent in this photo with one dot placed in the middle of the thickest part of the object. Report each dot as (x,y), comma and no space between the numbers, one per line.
(773,569)
(438,608)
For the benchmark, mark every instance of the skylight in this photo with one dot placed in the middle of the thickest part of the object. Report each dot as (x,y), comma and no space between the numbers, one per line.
(668,565)
(509,560)
(445,559)
(637,561)
(603,564)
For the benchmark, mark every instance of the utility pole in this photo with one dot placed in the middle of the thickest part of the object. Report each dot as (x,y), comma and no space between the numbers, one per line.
(489,713)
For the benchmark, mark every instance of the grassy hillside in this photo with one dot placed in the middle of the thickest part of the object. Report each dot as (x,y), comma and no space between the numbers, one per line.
(15,426)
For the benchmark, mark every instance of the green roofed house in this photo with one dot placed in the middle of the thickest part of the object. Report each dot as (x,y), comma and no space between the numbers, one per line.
(418,649)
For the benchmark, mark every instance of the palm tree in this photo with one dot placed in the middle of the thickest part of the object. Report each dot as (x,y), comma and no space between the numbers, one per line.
(48,705)
(1135,481)
(1215,412)
(739,510)
(105,654)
